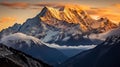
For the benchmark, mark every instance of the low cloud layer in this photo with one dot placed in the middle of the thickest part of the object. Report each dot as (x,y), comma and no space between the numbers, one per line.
(71,50)
(71,47)
(15,38)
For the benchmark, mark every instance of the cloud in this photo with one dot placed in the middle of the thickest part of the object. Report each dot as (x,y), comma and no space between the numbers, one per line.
(99,11)
(6,22)
(7,19)
(22,5)
(23,37)
(43,4)
(71,47)
(15,38)
(105,12)
(116,5)
(71,50)
(25,5)
(60,5)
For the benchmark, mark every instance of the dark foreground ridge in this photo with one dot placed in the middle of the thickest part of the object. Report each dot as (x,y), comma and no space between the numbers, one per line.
(10,57)
(106,54)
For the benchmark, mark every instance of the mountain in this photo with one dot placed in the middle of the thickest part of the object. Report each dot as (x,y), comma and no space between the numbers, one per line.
(34,47)
(10,30)
(10,57)
(106,24)
(114,32)
(63,26)
(104,55)
(77,16)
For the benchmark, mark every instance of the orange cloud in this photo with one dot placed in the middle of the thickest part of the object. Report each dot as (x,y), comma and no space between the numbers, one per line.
(60,5)
(117,5)
(105,12)
(7,19)
(99,11)
(114,17)
(6,22)
(15,5)
(42,4)
(23,5)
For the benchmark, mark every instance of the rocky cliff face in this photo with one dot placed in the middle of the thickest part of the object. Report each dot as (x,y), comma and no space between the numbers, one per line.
(10,57)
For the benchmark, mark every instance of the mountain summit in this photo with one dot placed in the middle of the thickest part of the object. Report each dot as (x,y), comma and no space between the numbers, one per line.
(63,26)
(66,14)
(74,15)
(70,15)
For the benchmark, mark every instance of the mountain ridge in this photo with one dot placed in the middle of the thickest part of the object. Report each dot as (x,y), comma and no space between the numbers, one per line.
(15,58)
(72,15)
(60,28)
(105,54)
(34,47)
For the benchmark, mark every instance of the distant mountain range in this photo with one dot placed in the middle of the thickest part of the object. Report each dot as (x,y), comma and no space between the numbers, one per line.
(10,57)
(34,47)
(64,26)
(105,54)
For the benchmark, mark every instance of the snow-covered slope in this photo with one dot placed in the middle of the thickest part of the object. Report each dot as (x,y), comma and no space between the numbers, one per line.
(34,47)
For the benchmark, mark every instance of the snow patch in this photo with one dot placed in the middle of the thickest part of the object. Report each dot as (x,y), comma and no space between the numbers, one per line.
(49,36)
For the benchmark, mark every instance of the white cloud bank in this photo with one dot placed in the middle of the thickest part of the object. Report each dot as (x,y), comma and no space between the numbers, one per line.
(14,38)
(17,38)
(71,47)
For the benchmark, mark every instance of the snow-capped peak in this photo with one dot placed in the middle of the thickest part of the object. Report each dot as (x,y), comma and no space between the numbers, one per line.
(68,14)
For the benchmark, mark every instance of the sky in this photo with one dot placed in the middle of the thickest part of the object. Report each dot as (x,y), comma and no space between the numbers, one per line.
(17,11)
